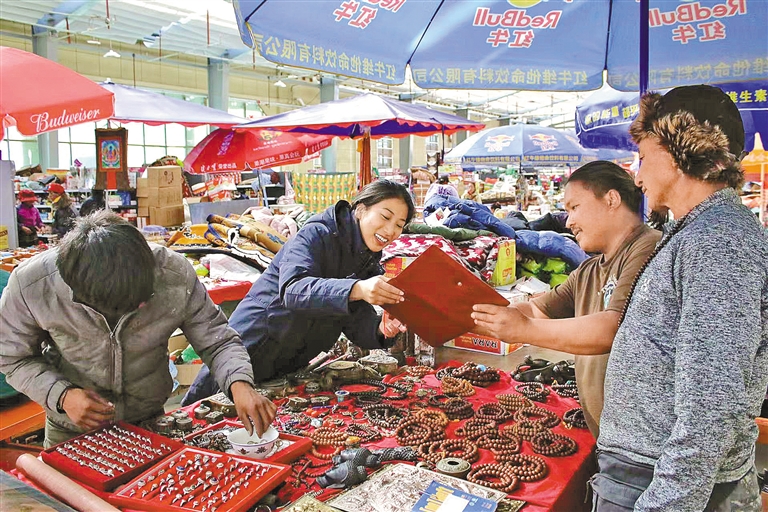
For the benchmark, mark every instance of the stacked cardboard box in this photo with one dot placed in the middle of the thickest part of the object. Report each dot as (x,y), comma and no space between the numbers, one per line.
(160,196)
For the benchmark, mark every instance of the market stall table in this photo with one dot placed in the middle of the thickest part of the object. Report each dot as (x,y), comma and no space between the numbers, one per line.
(229,291)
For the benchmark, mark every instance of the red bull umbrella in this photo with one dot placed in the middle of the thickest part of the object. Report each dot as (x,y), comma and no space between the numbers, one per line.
(561,45)
(519,144)
(226,150)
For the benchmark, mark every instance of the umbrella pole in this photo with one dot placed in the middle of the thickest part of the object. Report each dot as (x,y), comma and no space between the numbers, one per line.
(365,160)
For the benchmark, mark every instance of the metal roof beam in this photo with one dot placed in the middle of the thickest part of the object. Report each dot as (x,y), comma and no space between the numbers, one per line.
(60,13)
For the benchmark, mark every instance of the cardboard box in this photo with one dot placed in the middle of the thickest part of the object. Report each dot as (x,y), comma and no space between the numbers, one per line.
(396,265)
(504,273)
(186,372)
(166,196)
(165,176)
(142,187)
(142,211)
(166,215)
(479,343)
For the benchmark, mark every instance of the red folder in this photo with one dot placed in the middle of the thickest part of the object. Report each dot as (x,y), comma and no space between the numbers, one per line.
(439,295)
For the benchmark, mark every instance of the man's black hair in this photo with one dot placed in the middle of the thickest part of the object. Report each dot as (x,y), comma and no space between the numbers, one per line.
(107,263)
(602,176)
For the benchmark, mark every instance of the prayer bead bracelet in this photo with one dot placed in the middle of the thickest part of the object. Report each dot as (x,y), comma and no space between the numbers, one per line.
(514,402)
(495,476)
(456,387)
(553,445)
(543,416)
(575,418)
(534,390)
(493,412)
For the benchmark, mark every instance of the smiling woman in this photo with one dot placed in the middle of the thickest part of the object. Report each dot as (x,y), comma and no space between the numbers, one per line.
(323,282)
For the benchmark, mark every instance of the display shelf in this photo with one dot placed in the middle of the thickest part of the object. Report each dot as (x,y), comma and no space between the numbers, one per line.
(110,456)
(214,480)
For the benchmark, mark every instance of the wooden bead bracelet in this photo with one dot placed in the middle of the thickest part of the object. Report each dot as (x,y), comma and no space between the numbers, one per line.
(525,429)
(567,390)
(384,415)
(419,371)
(439,417)
(553,445)
(458,409)
(528,468)
(476,375)
(328,436)
(456,387)
(415,431)
(543,416)
(475,428)
(438,450)
(575,418)
(514,402)
(493,412)
(534,390)
(500,445)
(495,476)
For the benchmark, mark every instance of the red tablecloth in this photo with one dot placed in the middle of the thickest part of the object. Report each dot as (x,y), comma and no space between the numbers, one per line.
(229,290)
(564,488)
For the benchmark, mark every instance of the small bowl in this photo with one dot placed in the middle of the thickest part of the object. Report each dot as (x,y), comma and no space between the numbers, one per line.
(253,446)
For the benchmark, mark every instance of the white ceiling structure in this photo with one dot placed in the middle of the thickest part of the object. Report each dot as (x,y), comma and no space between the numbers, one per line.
(207,28)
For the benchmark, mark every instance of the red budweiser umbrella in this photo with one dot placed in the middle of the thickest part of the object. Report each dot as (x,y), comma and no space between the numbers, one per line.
(226,150)
(39,95)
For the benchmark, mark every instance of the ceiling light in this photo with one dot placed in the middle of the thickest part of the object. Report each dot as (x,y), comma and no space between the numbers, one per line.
(112,53)
(93,41)
(280,83)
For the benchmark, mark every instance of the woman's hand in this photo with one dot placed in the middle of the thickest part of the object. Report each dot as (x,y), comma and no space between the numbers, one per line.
(376,291)
(390,326)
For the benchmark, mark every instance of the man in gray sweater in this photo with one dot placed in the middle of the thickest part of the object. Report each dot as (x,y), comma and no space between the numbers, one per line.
(689,364)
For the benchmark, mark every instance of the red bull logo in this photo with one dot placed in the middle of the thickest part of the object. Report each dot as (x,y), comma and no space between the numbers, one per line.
(695,12)
(496,143)
(544,141)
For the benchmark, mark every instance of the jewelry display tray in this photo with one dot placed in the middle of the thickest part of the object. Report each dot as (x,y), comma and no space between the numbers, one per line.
(274,474)
(93,478)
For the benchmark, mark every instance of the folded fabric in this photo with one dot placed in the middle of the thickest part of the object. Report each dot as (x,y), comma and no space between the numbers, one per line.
(472,215)
(452,234)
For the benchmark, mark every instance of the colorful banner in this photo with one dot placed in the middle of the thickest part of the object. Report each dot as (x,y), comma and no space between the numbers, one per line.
(603,119)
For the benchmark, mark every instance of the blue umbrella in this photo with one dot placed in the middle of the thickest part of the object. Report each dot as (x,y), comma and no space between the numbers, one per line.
(519,144)
(512,44)
(603,119)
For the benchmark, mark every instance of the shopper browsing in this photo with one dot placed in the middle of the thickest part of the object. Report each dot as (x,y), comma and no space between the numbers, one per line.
(94,203)
(84,331)
(28,218)
(581,316)
(323,282)
(64,214)
(689,365)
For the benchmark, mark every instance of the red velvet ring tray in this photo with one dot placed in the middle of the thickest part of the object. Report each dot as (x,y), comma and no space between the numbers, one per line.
(96,479)
(252,488)
(298,447)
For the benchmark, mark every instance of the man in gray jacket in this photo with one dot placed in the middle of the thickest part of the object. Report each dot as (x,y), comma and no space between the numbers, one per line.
(84,331)
(689,364)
